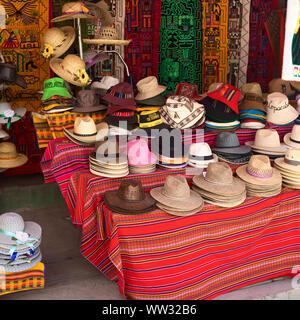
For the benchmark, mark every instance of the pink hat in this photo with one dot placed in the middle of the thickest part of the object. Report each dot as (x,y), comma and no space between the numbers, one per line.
(139,154)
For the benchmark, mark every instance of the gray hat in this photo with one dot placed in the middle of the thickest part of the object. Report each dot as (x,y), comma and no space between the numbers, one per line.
(228,142)
(23,266)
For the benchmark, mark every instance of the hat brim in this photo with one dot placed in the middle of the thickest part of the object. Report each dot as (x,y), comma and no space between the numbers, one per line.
(282,164)
(225,204)
(179,213)
(105,161)
(283,148)
(127,212)
(70,37)
(107,175)
(86,109)
(287,141)
(240,161)
(191,203)
(23,266)
(3,134)
(72,16)
(158,100)
(245,176)
(202,164)
(14,163)
(55,65)
(150,93)
(234,150)
(19,111)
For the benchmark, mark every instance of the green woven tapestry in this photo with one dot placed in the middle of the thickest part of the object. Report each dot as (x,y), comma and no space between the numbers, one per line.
(180,43)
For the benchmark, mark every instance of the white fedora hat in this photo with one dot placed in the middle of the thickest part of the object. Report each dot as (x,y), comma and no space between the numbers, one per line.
(292,139)
(200,155)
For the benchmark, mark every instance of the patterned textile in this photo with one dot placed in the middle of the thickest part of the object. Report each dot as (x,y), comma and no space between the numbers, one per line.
(142,27)
(214,43)
(242,76)
(20,45)
(180,43)
(235,16)
(30,279)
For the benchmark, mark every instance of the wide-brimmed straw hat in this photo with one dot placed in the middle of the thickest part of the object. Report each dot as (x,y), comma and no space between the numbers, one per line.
(57,41)
(290,163)
(177,194)
(8,115)
(279,110)
(9,157)
(200,155)
(292,139)
(259,171)
(219,180)
(71,69)
(85,130)
(149,88)
(129,198)
(252,88)
(267,140)
(74,10)
(87,101)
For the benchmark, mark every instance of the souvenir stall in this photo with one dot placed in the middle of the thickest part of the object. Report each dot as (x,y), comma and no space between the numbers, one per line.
(175,144)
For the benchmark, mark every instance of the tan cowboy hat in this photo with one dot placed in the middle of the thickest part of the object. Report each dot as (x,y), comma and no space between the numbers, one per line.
(73,10)
(149,88)
(57,41)
(259,172)
(291,162)
(9,157)
(85,130)
(177,194)
(71,69)
(180,213)
(219,180)
(267,140)
(292,139)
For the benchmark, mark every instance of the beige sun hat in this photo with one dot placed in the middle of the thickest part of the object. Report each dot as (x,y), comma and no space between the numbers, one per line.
(9,157)
(219,180)
(177,194)
(57,41)
(292,139)
(71,69)
(259,172)
(251,87)
(279,111)
(267,140)
(149,88)
(291,162)
(85,130)
(73,10)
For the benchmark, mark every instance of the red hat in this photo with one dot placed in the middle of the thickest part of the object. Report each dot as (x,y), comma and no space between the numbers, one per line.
(121,94)
(188,90)
(227,94)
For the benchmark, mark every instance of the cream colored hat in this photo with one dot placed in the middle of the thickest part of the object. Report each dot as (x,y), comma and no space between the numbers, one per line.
(74,10)
(9,157)
(149,88)
(279,111)
(57,41)
(200,155)
(71,69)
(3,134)
(292,139)
(290,163)
(267,140)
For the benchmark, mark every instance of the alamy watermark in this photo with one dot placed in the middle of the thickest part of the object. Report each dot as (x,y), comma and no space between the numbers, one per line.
(296,278)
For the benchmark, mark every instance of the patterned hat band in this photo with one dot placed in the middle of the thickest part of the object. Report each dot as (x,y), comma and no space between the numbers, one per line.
(201,158)
(270,106)
(253,97)
(120,94)
(149,120)
(255,174)
(292,162)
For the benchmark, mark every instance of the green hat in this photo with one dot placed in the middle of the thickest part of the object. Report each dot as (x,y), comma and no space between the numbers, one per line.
(55,87)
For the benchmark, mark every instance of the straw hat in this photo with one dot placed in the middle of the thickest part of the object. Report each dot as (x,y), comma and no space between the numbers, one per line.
(71,69)
(57,41)
(252,88)
(290,163)
(9,157)
(200,155)
(149,88)
(259,172)
(73,10)
(267,140)
(85,130)
(292,139)
(252,101)
(279,111)
(219,180)
(177,194)
(8,115)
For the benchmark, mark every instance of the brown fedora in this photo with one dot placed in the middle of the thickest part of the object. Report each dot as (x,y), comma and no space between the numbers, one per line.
(129,198)
(88,101)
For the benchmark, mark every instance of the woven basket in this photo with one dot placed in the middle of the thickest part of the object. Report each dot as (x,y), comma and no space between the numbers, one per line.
(108,33)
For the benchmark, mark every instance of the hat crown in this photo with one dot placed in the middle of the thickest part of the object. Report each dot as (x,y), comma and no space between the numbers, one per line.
(72,64)
(147,84)
(267,138)
(277,99)
(260,165)
(11,222)
(72,7)
(8,151)
(293,154)
(295,135)
(54,83)
(131,190)
(122,88)
(87,98)
(54,37)
(227,139)
(176,187)
(200,149)
(251,88)
(4,106)
(109,81)
(85,126)
(219,172)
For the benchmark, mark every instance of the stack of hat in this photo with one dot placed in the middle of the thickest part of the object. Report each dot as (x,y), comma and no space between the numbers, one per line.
(172,153)
(176,197)
(180,112)
(267,142)
(221,107)
(200,155)
(19,243)
(292,139)
(130,198)
(85,132)
(279,110)
(140,159)
(121,113)
(252,108)
(218,186)
(9,157)
(227,147)
(261,179)
(87,101)
(8,115)
(108,161)
(289,168)
(150,93)
(56,98)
